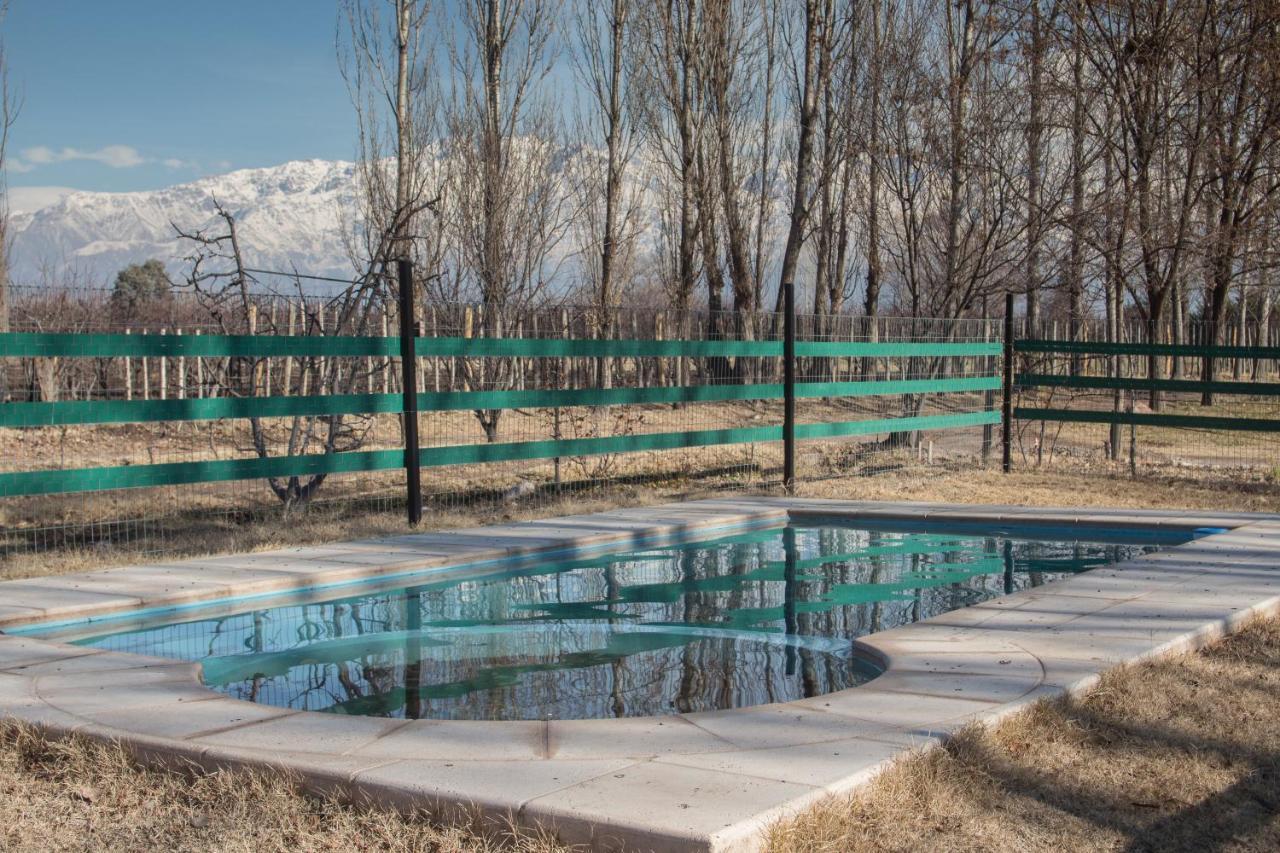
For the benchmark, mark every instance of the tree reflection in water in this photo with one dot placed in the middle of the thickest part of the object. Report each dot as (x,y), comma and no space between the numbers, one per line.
(761,616)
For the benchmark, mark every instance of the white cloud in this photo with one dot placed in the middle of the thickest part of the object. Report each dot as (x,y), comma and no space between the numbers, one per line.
(113,156)
(13,164)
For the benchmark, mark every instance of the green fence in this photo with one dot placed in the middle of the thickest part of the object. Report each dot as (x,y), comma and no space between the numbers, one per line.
(924,381)
(1111,366)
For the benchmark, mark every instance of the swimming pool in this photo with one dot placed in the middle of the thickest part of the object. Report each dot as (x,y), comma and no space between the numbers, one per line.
(754,616)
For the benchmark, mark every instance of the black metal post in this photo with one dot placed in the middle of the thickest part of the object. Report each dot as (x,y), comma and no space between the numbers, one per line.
(790,616)
(789,389)
(988,396)
(409,380)
(1006,414)
(1008,566)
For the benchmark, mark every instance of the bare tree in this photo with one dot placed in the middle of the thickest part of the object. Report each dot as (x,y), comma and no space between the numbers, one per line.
(507,206)
(1239,71)
(385,58)
(875,163)
(608,222)
(219,277)
(1144,51)
(674,120)
(9,107)
(812,76)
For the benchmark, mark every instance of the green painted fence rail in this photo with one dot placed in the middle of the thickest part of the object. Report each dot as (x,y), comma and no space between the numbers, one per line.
(79,412)
(1157,419)
(67,345)
(61,481)
(1033,345)
(1138,383)
(72,345)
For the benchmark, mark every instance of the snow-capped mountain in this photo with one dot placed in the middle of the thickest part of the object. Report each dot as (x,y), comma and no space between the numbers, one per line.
(288,216)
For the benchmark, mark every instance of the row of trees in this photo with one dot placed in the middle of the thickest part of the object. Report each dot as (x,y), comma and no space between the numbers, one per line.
(1102,159)
(8,114)
(1117,160)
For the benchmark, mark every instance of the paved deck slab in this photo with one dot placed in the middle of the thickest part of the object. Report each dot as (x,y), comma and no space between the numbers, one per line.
(708,781)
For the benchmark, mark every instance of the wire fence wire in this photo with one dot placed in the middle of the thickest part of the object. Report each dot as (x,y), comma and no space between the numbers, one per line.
(173,517)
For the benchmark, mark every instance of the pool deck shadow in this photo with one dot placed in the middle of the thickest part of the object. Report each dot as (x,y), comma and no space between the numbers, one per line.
(709,781)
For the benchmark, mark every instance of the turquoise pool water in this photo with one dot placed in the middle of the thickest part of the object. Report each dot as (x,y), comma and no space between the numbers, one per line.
(764,615)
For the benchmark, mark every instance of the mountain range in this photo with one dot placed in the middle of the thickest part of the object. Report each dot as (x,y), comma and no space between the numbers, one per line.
(289,216)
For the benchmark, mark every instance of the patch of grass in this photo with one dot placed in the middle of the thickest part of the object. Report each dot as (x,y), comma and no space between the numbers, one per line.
(1181,753)
(957,481)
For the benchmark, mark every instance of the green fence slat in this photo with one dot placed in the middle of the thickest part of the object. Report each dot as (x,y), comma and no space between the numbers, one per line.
(1032,345)
(1128,383)
(473,453)
(887,349)
(46,345)
(62,481)
(142,411)
(910,424)
(1148,419)
(467,400)
(150,411)
(185,473)
(561,348)
(523,450)
(72,345)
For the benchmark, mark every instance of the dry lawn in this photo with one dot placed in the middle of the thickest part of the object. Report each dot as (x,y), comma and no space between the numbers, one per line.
(187,535)
(1100,487)
(77,795)
(1181,753)
(1177,754)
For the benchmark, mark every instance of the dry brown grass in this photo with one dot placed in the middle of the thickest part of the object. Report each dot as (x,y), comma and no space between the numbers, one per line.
(1098,487)
(957,481)
(75,794)
(1177,754)
(217,534)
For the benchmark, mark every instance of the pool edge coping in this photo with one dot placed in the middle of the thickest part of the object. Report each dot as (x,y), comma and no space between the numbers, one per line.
(1022,625)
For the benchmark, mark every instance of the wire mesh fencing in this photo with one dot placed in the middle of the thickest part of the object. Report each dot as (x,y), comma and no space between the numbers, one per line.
(1108,397)
(150,428)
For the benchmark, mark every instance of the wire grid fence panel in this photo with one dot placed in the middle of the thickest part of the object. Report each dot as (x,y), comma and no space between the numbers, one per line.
(1106,397)
(189,400)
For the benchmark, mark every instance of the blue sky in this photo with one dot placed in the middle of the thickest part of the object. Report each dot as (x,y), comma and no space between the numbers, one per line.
(139,94)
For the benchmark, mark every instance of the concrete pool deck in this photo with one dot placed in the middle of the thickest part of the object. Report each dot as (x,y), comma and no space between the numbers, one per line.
(701,781)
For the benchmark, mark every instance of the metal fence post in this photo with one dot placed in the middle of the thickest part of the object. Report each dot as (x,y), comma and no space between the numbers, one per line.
(789,389)
(409,389)
(1006,414)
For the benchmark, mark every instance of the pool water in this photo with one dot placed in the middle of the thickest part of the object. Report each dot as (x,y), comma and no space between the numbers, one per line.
(762,615)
